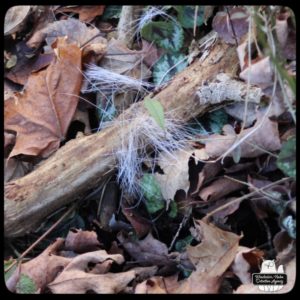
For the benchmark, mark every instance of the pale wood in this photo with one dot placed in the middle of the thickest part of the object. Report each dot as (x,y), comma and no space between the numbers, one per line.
(82,163)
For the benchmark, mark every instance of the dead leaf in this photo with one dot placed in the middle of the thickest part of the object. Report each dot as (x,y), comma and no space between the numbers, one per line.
(223,22)
(142,273)
(154,285)
(222,215)
(209,171)
(286,35)
(43,112)
(9,139)
(15,168)
(265,137)
(75,278)
(76,31)
(15,18)
(81,241)
(148,251)
(87,13)
(42,269)
(129,64)
(259,73)
(245,260)
(236,110)
(158,285)
(219,188)
(151,53)
(141,225)
(25,66)
(176,172)
(211,257)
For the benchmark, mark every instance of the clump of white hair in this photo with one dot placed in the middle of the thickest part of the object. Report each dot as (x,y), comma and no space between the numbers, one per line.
(106,81)
(142,135)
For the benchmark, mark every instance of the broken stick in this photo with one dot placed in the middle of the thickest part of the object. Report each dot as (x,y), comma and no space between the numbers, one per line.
(82,163)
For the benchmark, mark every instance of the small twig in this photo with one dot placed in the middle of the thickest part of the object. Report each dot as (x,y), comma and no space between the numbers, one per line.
(195,20)
(232,28)
(244,197)
(40,238)
(177,233)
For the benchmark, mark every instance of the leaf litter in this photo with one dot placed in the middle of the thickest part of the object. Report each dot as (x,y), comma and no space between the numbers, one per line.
(175,216)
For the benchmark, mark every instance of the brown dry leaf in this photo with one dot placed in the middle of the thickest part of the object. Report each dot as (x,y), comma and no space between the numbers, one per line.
(81,241)
(87,13)
(141,225)
(152,53)
(15,168)
(142,273)
(260,72)
(158,285)
(220,188)
(286,35)
(43,112)
(209,171)
(265,137)
(211,257)
(75,278)
(76,31)
(15,18)
(129,64)
(245,260)
(42,269)
(176,172)
(148,251)
(25,66)
(154,285)
(222,215)
(9,139)
(236,110)
(223,24)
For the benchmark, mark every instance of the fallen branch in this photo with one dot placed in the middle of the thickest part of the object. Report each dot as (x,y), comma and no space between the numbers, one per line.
(83,163)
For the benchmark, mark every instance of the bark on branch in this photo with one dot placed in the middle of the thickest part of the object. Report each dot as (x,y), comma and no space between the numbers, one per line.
(83,162)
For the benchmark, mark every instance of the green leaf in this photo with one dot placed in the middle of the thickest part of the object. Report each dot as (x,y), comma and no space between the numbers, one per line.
(181,244)
(173,210)
(152,193)
(167,35)
(25,285)
(286,161)
(186,15)
(156,111)
(167,66)
(111,12)
(217,119)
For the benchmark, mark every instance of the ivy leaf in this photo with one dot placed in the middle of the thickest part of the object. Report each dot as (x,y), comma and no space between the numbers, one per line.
(26,285)
(156,111)
(167,66)
(181,244)
(167,35)
(151,190)
(217,119)
(173,210)
(286,161)
(186,15)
